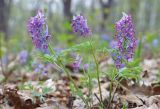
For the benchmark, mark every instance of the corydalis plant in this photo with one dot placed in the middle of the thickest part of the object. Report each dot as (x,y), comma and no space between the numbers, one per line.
(126,40)
(79,26)
(122,53)
(38,29)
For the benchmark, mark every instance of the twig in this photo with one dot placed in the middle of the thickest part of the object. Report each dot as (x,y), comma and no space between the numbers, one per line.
(97,97)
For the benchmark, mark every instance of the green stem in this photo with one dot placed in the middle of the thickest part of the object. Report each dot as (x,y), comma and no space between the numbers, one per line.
(97,71)
(110,94)
(66,71)
(90,88)
(69,76)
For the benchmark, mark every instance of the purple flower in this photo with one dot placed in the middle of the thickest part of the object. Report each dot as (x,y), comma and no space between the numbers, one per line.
(44,72)
(42,69)
(86,66)
(125,36)
(79,26)
(116,56)
(113,44)
(76,64)
(106,37)
(155,42)
(38,30)
(38,67)
(57,49)
(125,44)
(22,56)
(118,60)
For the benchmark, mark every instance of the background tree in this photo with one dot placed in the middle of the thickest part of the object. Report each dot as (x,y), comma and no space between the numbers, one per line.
(67,9)
(5,6)
(105,7)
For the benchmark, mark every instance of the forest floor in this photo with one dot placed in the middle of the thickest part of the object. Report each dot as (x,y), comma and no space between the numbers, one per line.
(23,90)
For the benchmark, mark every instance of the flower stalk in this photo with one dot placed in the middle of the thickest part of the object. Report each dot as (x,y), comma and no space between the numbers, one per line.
(97,72)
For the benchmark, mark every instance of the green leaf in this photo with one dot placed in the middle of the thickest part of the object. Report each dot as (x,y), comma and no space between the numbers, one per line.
(65,38)
(93,75)
(138,49)
(130,73)
(36,94)
(77,47)
(25,86)
(51,49)
(46,90)
(45,57)
(54,56)
(76,92)
(111,73)
(72,87)
(81,46)
(133,63)
(67,26)
(2,51)
(48,57)
(150,37)
(124,106)
(109,50)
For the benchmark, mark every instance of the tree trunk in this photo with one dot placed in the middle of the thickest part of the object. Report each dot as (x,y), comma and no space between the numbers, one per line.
(67,9)
(105,6)
(4,17)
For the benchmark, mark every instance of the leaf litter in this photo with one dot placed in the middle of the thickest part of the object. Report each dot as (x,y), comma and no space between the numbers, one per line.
(56,94)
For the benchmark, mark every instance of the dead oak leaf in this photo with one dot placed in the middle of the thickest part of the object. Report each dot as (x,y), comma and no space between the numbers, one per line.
(131,100)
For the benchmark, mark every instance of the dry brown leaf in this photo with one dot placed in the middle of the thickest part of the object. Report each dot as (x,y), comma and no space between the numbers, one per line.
(153,106)
(141,107)
(131,99)
(153,99)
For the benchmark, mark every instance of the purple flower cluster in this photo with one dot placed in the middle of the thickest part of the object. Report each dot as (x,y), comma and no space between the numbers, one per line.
(76,64)
(23,56)
(38,30)
(79,26)
(126,41)
(117,57)
(125,35)
(43,69)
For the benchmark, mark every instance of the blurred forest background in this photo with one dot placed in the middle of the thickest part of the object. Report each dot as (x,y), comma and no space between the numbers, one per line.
(23,68)
(101,15)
